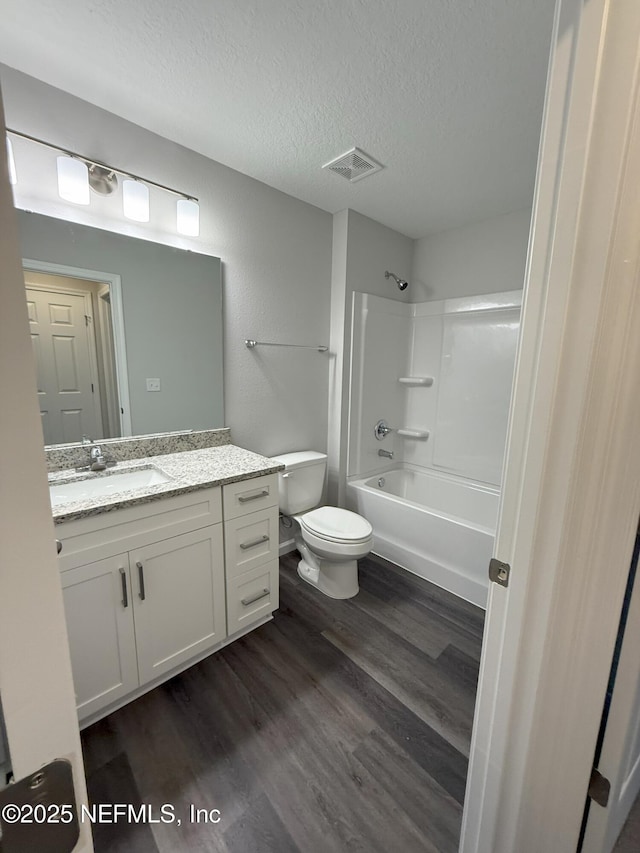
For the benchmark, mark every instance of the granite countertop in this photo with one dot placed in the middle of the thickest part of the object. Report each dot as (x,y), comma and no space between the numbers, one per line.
(189,471)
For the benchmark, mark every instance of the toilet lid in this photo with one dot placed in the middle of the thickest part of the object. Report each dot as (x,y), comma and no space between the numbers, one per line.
(340,525)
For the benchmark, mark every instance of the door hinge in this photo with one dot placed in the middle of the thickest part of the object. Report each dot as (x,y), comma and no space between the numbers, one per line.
(87,319)
(599,788)
(499,572)
(92,391)
(48,791)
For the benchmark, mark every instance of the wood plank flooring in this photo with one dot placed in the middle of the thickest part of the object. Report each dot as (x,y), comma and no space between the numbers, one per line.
(339,726)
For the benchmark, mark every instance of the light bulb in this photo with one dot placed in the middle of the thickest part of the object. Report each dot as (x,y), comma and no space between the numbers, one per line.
(135,201)
(73,180)
(188,217)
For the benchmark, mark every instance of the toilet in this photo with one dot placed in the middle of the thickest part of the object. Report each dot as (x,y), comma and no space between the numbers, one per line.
(330,540)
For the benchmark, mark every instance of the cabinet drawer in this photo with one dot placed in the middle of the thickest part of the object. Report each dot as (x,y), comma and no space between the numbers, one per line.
(252,595)
(96,537)
(250,541)
(250,495)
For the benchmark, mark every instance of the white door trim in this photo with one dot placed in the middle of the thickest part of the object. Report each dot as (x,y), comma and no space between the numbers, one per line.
(571,494)
(35,669)
(117,316)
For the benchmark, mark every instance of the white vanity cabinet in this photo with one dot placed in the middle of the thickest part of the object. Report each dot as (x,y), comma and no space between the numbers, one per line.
(147,592)
(251,544)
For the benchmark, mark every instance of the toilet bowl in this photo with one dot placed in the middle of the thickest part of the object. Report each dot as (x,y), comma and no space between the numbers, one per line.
(330,540)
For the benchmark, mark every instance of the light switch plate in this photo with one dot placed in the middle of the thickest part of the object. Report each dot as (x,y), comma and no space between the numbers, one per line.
(153,384)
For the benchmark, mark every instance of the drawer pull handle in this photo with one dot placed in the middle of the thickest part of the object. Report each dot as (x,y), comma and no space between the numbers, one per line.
(58,546)
(253,542)
(250,599)
(125,597)
(244,498)
(141,581)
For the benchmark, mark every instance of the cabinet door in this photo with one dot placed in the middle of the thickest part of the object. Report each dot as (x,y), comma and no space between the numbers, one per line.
(179,599)
(98,606)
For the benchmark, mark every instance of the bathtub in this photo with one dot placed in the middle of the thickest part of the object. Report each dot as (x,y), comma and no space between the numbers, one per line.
(438,527)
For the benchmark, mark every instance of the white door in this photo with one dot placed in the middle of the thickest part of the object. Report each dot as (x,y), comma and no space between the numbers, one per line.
(620,758)
(67,389)
(99,610)
(179,599)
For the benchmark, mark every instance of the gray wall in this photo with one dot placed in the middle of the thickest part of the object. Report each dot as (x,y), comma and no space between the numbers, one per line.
(172,314)
(275,251)
(485,257)
(363,250)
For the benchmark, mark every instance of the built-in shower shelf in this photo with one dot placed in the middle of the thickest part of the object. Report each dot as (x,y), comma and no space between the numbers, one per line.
(426,381)
(419,434)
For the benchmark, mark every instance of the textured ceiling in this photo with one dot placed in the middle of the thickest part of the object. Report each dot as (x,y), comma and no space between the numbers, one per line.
(447,94)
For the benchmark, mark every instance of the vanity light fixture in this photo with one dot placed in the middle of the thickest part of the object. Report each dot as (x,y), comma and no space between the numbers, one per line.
(13,175)
(73,180)
(135,200)
(188,217)
(78,174)
(102,180)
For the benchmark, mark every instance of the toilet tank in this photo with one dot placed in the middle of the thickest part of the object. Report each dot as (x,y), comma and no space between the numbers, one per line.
(300,485)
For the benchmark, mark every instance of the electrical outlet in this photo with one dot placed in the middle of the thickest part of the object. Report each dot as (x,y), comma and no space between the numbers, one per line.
(153,384)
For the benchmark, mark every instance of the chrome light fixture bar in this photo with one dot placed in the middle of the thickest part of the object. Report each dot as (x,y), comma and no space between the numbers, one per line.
(77,173)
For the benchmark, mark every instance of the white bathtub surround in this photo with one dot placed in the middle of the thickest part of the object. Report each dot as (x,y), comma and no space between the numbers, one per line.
(439,373)
(437,526)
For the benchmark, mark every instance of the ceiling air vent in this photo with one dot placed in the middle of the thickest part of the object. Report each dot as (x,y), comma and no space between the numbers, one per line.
(354,165)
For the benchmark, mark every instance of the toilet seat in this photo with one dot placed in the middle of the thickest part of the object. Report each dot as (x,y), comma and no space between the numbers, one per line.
(332,524)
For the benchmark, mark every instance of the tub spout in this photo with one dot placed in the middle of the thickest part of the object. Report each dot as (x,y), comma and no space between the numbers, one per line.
(388,454)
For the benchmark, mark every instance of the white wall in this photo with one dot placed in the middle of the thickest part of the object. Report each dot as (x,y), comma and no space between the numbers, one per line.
(363,250)
(275,250)
(486,257)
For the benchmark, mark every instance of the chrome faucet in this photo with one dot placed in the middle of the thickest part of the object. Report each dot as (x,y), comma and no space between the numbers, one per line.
(388,454)
(381,430)
(97,459)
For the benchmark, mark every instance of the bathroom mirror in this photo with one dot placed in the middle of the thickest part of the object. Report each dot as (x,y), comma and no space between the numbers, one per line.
(127,333)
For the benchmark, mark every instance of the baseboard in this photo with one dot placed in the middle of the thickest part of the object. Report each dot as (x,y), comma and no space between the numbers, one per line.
(287,546)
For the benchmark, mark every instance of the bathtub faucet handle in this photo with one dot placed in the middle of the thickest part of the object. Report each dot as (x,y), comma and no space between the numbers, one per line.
(381,430)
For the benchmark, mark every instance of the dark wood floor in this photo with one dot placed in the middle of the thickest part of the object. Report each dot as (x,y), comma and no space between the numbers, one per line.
(339,726)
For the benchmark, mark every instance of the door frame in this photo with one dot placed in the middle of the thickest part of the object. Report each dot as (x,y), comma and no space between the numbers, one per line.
(117,320)
(619,759)
(36,682)
(571,491)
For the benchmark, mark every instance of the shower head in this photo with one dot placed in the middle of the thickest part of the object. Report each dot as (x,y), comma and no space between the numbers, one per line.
(402,284)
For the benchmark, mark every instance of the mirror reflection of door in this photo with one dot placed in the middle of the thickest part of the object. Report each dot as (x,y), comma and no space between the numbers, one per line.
(71,330)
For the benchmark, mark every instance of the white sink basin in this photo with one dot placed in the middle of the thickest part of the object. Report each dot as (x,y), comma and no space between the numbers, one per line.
(104,485)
